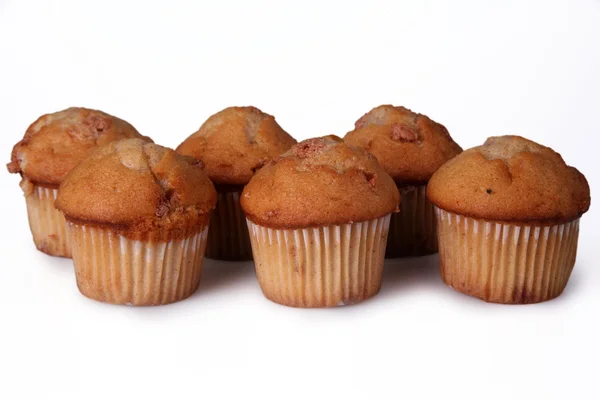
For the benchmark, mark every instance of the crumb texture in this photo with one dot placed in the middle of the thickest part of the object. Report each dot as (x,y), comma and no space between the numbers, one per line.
(55,143)
(410,146)
(235,143)
(320,182)
(138,187)
(510,178)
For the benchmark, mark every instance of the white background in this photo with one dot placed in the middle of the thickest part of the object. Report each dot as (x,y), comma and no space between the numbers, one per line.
(525,67)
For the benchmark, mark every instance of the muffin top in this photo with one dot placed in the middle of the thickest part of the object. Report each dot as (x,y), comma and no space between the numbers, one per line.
(136,187)
(236,142)
(319,182)
(55,143)
(510,178)
(410,146)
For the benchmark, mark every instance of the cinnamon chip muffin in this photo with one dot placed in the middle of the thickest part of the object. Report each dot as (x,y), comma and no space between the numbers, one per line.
(318,218)
(508,220)
(51,147)
(137,214)
(233,144)
(410,147)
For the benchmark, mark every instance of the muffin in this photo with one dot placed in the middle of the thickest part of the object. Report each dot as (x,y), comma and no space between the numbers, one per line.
(137,215)
(233,144)
(410,147)
(318,219)
(508,220)
(51,147)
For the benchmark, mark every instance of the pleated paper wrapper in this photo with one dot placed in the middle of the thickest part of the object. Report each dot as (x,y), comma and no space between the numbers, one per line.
(503,262)
(114,269)
(412,230)
(228,235)
(321,266)
(47,224)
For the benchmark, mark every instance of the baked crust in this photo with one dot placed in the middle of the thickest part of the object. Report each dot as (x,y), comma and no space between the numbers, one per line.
(140,190)
(319,182)
(235,143)
(409,146)
(57,142)
(513,179)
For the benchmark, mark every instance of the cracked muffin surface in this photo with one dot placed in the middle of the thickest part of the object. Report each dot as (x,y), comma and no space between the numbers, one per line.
(410,146)
(57,142)
(235,143)
(510,178)
(134,187)
(318,182)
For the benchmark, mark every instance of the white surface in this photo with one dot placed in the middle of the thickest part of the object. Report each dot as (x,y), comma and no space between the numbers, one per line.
(530,68)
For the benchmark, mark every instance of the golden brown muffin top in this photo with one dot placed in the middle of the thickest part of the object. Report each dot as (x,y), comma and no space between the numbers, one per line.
(235,143)
(136,187)
(320,182)
(510,178)
(57,142)
(410,146)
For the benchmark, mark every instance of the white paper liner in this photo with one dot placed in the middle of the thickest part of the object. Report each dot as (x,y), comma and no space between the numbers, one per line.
(47,224)
(412,230)
(506,263)
(322,266)
(114,269)
(228,236)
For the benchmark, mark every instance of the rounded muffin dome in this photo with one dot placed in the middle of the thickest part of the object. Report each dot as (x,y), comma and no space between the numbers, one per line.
(135,187)
(55,143)
(319,182)
(409,146)
(510,178)
(236,142)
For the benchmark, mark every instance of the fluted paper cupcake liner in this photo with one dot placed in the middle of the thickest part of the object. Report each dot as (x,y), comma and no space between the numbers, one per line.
(228,236)
(114,269)
(412,230)
(321,266)
(47,224)
(503,262)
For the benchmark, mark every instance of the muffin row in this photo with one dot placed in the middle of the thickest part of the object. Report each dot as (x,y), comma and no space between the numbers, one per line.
(317,216)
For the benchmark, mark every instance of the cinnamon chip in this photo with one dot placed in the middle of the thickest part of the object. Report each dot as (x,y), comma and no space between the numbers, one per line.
(403,133)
